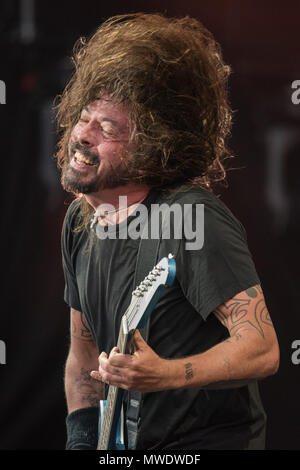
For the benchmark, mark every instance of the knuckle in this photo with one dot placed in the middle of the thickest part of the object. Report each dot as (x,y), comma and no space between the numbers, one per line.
(131,377)
(105,376)
(134,367)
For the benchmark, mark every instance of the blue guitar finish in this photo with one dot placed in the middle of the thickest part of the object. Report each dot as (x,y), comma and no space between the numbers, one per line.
(116,441)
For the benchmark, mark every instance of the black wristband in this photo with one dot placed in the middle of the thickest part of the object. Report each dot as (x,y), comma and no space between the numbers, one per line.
(82,429)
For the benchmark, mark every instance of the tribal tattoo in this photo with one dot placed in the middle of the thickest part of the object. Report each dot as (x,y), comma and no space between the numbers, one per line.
(248,309)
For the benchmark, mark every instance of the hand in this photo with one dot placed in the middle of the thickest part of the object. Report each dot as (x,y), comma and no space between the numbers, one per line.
(143,371)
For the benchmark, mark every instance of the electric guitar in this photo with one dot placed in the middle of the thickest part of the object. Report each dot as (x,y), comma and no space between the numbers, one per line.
(144,299)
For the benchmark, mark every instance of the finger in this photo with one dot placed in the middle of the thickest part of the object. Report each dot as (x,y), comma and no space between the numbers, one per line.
(120,361)
(114,351)
(112,378)
(103,362)
(118,383)
(102,356)
(113,370)
(95,374)
(109,366)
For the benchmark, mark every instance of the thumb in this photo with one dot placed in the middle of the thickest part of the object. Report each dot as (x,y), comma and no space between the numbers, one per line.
(138,341)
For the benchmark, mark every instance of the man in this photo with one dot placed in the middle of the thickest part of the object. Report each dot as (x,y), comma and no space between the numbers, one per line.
(144,116)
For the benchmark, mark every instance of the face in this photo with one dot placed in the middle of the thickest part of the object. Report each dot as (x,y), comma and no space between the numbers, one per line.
(98,148)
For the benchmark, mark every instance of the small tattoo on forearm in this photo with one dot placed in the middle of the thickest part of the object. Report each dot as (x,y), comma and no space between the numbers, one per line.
(237,336)
(188,371)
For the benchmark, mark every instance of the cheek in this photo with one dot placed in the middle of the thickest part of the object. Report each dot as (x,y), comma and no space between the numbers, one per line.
(75,133)
(111,151)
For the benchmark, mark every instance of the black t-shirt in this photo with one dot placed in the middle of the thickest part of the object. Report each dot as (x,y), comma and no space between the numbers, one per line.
(99,271)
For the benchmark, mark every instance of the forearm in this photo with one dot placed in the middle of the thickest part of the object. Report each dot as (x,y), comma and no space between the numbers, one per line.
(80,388)
(231,363)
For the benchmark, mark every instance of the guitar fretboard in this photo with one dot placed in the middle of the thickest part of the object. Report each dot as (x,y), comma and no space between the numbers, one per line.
(111,401)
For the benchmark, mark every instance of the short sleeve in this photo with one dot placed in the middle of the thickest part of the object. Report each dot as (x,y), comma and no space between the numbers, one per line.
(71,294)
(222,267)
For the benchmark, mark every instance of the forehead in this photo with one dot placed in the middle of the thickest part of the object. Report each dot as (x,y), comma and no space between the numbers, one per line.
(106,108)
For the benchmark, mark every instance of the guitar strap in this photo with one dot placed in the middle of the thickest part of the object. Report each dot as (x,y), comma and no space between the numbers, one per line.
(147,257)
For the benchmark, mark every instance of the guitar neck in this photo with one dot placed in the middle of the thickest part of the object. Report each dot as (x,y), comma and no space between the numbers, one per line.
(144,299)
(114,398)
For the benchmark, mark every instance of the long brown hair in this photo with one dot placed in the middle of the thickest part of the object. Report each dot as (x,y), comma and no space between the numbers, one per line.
(171,74)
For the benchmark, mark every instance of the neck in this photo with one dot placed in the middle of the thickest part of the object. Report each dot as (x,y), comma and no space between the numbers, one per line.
(134,193)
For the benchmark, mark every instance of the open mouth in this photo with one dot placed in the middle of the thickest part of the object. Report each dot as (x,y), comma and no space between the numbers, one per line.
(81,161)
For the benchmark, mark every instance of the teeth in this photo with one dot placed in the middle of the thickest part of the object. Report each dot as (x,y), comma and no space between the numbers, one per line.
(81,158)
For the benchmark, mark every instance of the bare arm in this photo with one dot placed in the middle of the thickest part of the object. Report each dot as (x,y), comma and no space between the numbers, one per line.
(80,388)
(250,352)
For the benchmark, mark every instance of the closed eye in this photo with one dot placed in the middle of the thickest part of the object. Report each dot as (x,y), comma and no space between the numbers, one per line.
(105,131)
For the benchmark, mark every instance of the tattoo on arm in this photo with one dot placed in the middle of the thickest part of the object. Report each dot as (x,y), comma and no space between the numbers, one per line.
(90,390)
(79,327)
(237,336)
(246,310)
(189,374)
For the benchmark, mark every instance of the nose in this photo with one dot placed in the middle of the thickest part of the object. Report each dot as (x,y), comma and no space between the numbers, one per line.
(86,133)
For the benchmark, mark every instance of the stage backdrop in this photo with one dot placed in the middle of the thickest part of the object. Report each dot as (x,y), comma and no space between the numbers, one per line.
(260,41)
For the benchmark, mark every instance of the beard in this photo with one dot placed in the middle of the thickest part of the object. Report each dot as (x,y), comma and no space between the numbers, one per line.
(87,182)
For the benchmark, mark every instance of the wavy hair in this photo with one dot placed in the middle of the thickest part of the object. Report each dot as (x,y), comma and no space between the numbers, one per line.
(171,74)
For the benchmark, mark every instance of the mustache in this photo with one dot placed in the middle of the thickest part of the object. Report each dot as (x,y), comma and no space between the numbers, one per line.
(85,151)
